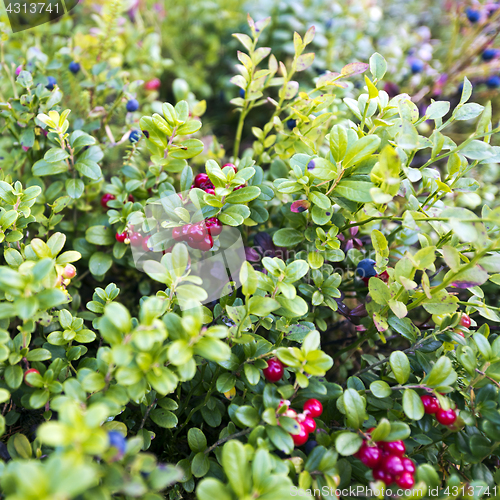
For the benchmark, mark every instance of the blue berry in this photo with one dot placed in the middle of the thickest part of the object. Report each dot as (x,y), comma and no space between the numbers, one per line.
(472,15)
(242,93)
(74,67)
(366,268)
(310,445)
(417,66)
(493,82)
(117,440)
(51,82)
(134,136)
(132,105)
(291,123)
(489,54)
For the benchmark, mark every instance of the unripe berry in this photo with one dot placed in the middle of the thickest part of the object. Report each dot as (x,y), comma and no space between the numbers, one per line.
(446,417)
(313,407)
(302,437)
(31,370)
(274,371)
(431,404)
(69,272)
(465,321)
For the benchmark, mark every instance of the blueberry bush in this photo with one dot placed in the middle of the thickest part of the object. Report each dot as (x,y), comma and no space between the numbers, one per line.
(358,344)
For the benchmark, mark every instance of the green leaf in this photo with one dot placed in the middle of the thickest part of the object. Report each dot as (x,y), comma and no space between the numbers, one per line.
(213,489)
(234,215)
(247,415)
(378,66)
(234,461)
(42,167)
(412,405)
(243,195)
(439,373)
(200,465)
(75,188)
(468,111)
(100,235)
(354,190)
(400,366)
(163,418)
(89,168)
(355,408)
(380,389)
(348,443)
(100,263)
(280,438)
(262,306)
(360,150)
(13,376)
(287,237)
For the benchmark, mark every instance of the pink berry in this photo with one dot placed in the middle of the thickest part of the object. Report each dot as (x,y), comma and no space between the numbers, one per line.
(274,371)
(104,200)
(397,448)
(393,465)
(409,465)
(314,407)
(69,272)
(465,320)
(153,84)
(136,239)
(405,481)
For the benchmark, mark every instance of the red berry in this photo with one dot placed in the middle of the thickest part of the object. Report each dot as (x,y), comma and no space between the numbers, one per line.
(107,197)
(309,424)
(177,234)
(31,370)
(393,465)
(302,437)
(121,237)
(185,231)
(446,417)
(197,232)
(409,465)
(397,448)
(459,333)
(202,181)
(379,474)
(153,84)
(230,165)
(69,272)
(314,407)
(210,191)
(431,404)
(465,321)
(383,276)
(214,226)
(145,245)
(131,198)
(369,455)
(206,244)
(239,187)
(405,481)
(274,370)
(135,239)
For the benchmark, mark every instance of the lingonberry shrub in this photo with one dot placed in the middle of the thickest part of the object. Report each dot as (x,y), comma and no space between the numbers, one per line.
(371,232)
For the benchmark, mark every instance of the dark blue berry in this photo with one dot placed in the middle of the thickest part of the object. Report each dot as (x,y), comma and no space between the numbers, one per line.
(310,445)
(366,268)
(242,93)
(132,105)
(473,15)
(117,440)
(417,66)
(51,82)
(489,54)
(493,82)
(134,136)
(291,123)
(74,67)
(146,134)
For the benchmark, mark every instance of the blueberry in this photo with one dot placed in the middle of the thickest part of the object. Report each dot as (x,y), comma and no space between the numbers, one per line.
(74,67)
(146,134)
(366,268)
(291,123)
(51,82)
(493,82)
(132,105)
(134,136)
(242,93)
(310,445)
(472,15)
(117,440)
(417,66)
(489,54)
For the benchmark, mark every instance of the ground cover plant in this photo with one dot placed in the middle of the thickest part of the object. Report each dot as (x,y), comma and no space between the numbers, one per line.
(358,344)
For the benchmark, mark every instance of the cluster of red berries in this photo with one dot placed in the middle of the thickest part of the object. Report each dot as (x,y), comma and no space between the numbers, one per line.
(199,235)
(431,407)
(388,463)
(312,409)
(202,181)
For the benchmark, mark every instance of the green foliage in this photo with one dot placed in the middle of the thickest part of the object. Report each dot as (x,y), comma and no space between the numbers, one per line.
(120,384)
